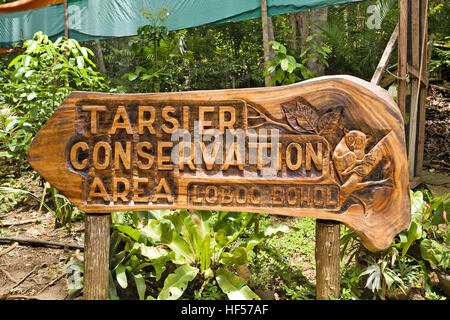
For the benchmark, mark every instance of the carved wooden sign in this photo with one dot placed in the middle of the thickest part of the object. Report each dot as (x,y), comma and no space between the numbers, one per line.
(328,148)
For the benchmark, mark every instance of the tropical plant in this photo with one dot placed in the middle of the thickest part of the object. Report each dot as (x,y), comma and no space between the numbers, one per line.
(436,253)
(434,248)
(33,86)
(287,70)
(183,248)
(399,267)
(387,274)
(37,81)
(157,54)
(439,64)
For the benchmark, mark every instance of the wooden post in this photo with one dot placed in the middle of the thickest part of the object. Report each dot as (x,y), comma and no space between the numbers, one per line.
(415,85)
(402,54)
(327,259)
(66,20)
(378,74)
(96,256)
(423,90)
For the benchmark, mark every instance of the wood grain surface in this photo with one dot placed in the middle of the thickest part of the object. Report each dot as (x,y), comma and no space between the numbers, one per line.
(335,144)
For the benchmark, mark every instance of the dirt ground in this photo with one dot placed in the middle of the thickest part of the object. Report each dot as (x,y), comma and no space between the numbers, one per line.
(35,272)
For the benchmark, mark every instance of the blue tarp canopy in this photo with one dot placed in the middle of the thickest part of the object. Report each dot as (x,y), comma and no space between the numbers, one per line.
(100,19)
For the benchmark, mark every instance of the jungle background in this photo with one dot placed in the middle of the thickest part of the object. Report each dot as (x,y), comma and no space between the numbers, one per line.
(249,256)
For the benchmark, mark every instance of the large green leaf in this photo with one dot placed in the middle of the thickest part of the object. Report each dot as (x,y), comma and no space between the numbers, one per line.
(414,232)
(374,280)
(135,234)
(121,276)
(140,285)
(236,258)
(164,231)
(435,253)
(158,257)
(179,245)
(150,252)
(112,288)
(230,225)
(158,230)
(234,286)
(177,282)
(205,252)
(417,205)
(442,205)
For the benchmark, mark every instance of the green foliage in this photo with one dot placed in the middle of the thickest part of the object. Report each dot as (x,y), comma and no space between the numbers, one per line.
(207,57)
(223,54)
(279,262)
(177,282)
(439,24)
(62,210)
(439,63)
(400,267)
(234,286)
(356,48)
(147,245)
(36,82)
(435,253)
(151,42)
(436,239)
(209,291)
(386,274)
(351,287)
(286,69)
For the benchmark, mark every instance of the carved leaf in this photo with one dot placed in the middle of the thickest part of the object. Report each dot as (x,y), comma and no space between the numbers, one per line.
(302,118)
(291,118)
(329,122)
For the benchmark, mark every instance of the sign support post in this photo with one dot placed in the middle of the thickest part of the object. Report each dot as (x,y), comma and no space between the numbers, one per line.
(96,256)
(327,259)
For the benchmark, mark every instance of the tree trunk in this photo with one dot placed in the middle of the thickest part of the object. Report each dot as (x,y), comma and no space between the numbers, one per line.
(99,55)
(299,22)
(268,35)
(66,20)
(318,18)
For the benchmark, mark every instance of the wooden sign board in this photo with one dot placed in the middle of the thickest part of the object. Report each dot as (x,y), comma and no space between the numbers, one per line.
(329,148)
